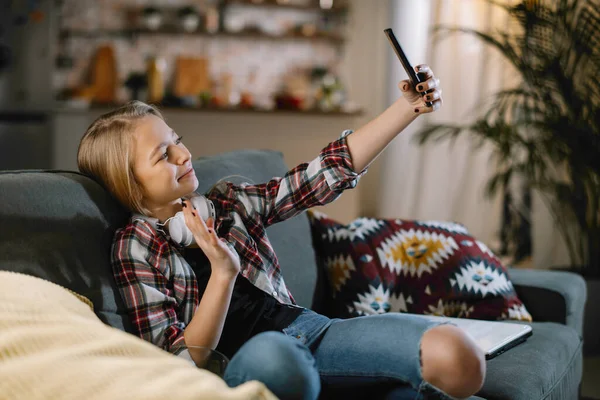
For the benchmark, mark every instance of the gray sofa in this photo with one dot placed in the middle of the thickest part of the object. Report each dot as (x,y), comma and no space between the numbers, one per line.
(58,225)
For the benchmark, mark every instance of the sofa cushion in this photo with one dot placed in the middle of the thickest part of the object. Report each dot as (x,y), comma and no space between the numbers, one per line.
(58,226)
(548,365)
(422,267)
(291,239)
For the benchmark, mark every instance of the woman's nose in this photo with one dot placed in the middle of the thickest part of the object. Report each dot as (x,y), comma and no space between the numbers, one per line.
(182,155)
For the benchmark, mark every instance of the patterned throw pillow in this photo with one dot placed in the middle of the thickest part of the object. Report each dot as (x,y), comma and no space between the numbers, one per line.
(376,266)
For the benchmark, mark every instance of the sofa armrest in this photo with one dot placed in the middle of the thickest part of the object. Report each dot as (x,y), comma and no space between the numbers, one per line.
(552,296)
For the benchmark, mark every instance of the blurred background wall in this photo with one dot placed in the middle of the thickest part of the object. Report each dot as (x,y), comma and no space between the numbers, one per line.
(288,75)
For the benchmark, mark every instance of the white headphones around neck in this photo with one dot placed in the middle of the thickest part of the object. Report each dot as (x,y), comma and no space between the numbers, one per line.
(178,230)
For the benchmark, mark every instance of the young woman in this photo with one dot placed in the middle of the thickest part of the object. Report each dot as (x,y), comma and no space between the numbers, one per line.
(237,300)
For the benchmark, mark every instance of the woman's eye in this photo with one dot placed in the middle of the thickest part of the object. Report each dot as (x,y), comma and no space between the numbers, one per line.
(165,155)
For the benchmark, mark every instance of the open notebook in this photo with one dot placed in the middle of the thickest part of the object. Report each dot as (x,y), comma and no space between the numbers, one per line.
(493,337)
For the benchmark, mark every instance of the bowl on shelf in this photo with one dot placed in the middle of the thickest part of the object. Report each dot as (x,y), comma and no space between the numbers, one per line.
(152,18)
(189,18)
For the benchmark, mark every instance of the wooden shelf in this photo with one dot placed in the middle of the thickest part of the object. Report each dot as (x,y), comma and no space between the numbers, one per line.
(250,35)
(312,112)
(172,28)
(261,111)
(313,6)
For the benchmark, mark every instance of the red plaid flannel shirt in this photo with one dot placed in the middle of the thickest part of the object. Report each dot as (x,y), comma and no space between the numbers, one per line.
(158,286)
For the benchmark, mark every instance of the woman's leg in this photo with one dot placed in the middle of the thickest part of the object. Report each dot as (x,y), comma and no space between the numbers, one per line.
(452,361)
(436,360)
(283,364)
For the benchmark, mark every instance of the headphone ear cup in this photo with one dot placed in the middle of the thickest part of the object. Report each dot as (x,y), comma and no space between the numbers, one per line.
(204,207)
(178,230)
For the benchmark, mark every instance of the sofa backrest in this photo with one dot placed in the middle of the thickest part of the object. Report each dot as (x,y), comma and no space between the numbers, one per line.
(58,225)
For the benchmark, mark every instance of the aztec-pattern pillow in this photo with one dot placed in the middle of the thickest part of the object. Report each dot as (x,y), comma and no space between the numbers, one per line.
(376,266)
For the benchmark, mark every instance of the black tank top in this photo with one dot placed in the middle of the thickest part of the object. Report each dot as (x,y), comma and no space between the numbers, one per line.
(251,311)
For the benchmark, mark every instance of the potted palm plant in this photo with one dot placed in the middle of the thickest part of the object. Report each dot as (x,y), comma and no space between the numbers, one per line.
(546,131)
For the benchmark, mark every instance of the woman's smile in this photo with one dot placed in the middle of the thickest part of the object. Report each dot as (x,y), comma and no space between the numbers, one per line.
(188,174)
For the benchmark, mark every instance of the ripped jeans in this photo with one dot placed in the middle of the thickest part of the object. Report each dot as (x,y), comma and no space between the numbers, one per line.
(315,353)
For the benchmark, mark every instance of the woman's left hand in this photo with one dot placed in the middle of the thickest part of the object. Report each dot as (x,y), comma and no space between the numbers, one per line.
(416,99)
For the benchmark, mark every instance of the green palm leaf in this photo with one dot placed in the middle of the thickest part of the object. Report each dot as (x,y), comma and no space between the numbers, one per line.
(546,130)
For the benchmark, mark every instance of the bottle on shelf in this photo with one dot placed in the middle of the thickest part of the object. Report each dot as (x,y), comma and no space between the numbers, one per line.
(247,92)
(213,17)
(155,68)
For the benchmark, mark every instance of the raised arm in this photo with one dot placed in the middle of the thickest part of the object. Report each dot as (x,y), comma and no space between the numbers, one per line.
(340,165)
(307,185)
(370,140)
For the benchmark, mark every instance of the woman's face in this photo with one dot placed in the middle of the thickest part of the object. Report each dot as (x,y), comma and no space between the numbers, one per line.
(162,164)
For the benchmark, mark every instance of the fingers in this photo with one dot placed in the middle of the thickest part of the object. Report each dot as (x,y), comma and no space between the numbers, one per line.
(424,68)
(210,224)
(206,230)
(424,72)
(426,109)
(194,222)
(416,96)
(430,83)
(428,80)
(436,94)
(404,86)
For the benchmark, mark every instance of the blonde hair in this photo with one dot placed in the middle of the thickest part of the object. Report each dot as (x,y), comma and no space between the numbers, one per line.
(106,152)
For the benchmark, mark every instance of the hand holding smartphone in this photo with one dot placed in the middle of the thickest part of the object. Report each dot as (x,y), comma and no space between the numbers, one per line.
(415,78)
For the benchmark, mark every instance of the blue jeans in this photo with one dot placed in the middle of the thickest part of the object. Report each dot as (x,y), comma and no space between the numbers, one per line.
(341,354)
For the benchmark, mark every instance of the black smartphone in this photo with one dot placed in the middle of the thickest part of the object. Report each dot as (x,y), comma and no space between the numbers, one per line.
(415,78)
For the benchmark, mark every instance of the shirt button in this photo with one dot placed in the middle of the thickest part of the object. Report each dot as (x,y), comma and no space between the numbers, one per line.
(274,293)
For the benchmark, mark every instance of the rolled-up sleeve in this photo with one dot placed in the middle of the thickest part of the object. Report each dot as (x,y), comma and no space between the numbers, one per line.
(337,166)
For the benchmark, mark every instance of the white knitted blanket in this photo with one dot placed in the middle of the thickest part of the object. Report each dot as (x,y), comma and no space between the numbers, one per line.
(52,346)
